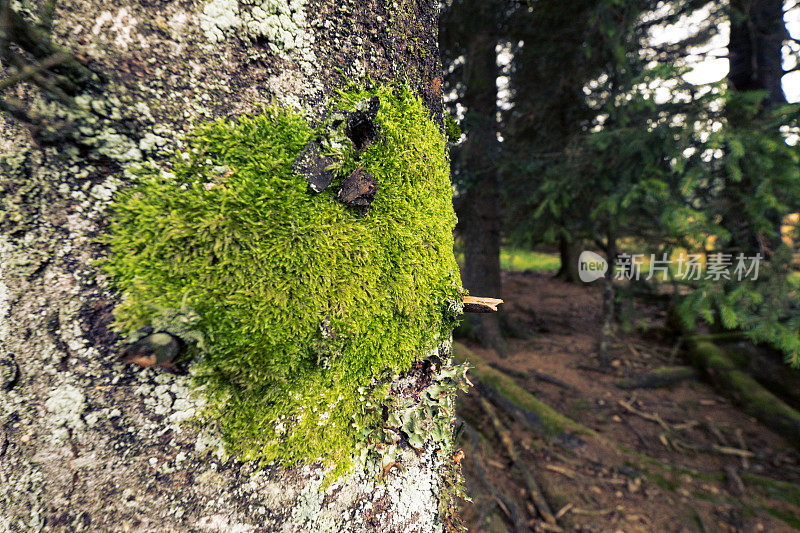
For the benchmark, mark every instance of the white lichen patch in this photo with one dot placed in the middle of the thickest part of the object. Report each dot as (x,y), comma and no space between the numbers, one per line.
(218,18)
(413,491)
(104,191)
(151,141)
(282,23)
(122,26)
(221,523)
(5,251)
(115,146)
(286,85)
(66,405)
(412,494)
(173,396)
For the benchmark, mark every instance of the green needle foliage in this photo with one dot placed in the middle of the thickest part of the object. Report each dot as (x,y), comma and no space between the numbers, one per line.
(306,307)
(609,144)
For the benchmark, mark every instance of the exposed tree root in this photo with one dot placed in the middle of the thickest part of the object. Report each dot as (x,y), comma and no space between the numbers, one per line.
(768,368)
(538,376)
(754,399)
(660,377)
(506,504)
(505,393)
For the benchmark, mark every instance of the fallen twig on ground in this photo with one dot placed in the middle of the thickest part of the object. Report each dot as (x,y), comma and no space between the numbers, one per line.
(597,512)
(538,499)
(735,483)
(506,505)
(647,416)
(561,470)
(727,450)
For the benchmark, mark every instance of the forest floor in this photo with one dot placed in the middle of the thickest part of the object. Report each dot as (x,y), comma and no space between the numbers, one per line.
(715,468)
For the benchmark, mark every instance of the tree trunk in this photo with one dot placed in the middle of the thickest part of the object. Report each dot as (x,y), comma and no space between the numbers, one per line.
(756,64)
(569,251)
(86,442)
(607,329)
(478,208)
(757,35)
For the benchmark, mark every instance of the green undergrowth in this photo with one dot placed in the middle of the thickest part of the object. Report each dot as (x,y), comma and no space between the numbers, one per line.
(785,515)
(519,260)
(306,307)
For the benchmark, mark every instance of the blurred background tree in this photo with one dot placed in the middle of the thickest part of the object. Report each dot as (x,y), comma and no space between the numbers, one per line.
(605,145)
(654,133)
(471,31)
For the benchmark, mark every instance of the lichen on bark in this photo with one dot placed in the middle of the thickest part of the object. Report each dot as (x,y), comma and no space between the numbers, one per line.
(127,457)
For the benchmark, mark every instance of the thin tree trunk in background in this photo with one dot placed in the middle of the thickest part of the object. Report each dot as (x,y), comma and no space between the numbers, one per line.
(86,443)
(568,251)
(607,329)
(756,64)
(756,39)
(478,208)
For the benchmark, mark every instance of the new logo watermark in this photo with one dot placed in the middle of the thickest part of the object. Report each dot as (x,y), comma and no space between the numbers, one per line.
(591,266)
(687,267)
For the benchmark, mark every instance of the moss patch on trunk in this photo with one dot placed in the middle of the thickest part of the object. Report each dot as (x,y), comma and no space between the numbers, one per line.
(306,307)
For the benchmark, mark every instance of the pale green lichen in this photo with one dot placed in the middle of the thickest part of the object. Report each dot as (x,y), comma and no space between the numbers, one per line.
(282,23)
(308,308)
(218,18)
(66,405)
(5,295)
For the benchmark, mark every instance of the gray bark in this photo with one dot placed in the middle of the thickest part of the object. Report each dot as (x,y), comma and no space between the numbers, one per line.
(87,443)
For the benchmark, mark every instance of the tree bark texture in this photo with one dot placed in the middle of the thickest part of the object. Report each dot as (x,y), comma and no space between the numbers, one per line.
(87,443)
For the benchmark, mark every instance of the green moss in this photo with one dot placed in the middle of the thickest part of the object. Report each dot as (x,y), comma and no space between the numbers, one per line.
(452,128)
(755,399)
(306,307)
(670,484)
(786,516)
(774,488)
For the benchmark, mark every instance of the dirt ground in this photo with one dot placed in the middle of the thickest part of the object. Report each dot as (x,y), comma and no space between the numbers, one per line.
(690,459)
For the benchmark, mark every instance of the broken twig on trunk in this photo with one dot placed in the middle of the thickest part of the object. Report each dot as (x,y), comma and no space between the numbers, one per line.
(477,304)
